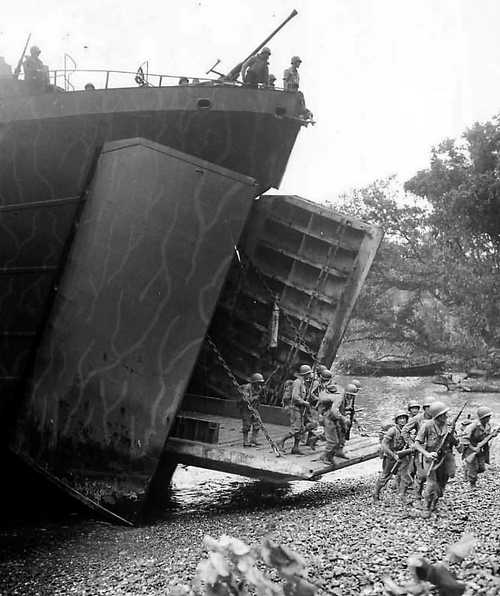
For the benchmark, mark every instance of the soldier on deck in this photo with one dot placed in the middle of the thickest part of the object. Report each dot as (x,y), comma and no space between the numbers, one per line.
(392,443)
(474,433)
(298,403)
(291,78)
(256,69)
(335,424)
(35,72)
(428,441)
(250,394)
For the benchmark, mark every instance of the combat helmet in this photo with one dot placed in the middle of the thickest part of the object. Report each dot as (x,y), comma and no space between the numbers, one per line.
(35,50)
(351,388)
(295,59)
(357,383)
(413,404)
(304,369)
(265,50)
(437,408)
(428,401)
(483,412)
(400,414)
(256,378)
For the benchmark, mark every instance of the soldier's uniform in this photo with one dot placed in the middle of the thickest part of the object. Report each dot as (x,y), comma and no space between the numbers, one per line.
(409,432)
(298,403)
(256,69)
(334,424)
(35,72)
(250,394)
(392,442)
(430,437)
(291,78)
(473,434)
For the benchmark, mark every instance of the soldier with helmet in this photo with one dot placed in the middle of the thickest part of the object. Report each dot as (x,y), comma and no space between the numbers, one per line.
(474,433)
(429,440)
(413,408)
(357,383)
(291,78)
(35,72)
(256,69)
(299,402)
(392,443)
(409,432)
(250,394)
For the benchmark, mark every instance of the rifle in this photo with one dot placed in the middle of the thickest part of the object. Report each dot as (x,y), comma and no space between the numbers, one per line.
(445,443)
(397,463)
(470,458)
(20,63)
(352,411)
(234,73)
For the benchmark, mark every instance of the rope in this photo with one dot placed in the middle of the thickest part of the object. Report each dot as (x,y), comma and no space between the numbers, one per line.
(236,385)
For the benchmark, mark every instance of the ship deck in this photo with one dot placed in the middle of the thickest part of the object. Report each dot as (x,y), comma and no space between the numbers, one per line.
(213,439)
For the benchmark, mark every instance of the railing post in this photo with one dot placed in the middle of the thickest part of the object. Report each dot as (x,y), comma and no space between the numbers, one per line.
(55,78)
(107,79)
(161,79)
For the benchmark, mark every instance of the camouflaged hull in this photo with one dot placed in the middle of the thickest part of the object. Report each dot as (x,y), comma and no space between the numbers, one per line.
(153,245)
(48,147)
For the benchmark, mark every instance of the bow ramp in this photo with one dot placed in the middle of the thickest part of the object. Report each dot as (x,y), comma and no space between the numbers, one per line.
(207,434)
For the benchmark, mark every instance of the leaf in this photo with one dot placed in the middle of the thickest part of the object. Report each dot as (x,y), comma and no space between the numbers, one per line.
(285,560)
(392,588)
(461,549)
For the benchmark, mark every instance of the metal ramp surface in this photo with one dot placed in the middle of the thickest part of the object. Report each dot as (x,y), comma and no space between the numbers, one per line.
(225,451)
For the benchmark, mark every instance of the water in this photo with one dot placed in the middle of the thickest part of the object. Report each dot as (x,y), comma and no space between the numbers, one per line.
(195,489)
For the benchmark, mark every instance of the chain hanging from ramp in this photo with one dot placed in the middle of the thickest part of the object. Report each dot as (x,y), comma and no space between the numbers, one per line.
(236,385)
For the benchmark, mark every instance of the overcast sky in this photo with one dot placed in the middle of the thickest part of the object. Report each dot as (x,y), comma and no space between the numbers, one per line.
(386,79)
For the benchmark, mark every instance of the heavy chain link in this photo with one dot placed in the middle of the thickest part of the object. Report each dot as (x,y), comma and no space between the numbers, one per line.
(236,386)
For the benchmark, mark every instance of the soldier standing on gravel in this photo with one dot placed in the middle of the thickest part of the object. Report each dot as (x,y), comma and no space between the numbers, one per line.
(474,433)
(298,403)
(409,432)
(392,443)
(250,393)
(429,440)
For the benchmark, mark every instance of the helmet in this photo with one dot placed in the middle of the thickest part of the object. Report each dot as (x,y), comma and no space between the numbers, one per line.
(400,414)
(295,59)
(320,368)
(483,411)
(437,408)
(351,388)
(357,383)
(265,50)
(428,401)
(35,50)
(256,378)
(413,404)
(304,369)
(326,374)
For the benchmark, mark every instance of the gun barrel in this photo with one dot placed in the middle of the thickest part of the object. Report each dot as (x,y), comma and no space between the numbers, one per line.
(20,63)
(234,72)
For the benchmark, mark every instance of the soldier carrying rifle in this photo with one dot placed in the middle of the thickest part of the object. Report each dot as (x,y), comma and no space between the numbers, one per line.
(475,445)
(434,442)
(394,459)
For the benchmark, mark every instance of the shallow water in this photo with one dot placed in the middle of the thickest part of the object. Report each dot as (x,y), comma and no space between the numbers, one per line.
(195,489)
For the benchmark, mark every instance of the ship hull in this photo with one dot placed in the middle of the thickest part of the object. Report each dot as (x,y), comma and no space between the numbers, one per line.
(48,145)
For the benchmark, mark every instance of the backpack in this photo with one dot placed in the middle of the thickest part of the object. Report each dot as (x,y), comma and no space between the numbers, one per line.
(286,398)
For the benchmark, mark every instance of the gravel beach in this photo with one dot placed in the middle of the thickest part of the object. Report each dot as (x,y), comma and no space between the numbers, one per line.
(349,544)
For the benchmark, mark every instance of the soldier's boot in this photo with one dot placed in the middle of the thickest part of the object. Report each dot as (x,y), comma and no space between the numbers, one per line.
(253,439)
(246,442)
(428,506)
(339,452)
(376,492)
(295,448)
(404,498)
(281,444)
(473,484)
(312,443)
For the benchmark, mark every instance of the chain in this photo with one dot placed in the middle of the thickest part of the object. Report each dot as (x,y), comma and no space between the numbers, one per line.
(236,385)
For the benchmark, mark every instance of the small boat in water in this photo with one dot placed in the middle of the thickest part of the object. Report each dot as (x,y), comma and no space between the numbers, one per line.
(392,366)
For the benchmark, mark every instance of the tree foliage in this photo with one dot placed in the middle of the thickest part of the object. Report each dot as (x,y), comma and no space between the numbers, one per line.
(435,285)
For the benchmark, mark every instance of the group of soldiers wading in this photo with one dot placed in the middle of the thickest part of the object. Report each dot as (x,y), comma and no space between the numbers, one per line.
(317,411)
(417,450)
